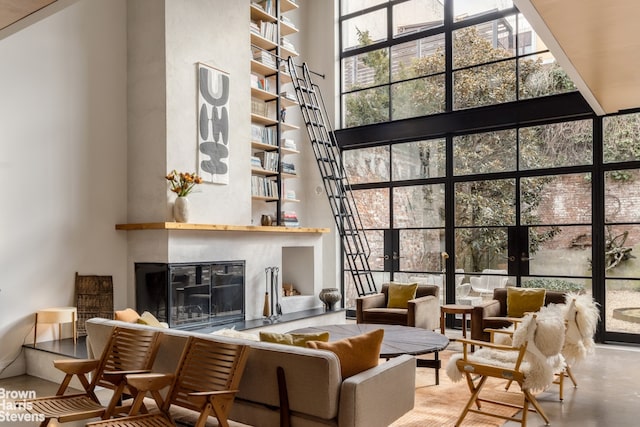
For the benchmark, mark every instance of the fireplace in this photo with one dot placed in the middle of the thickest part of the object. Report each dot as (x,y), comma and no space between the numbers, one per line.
(187,295)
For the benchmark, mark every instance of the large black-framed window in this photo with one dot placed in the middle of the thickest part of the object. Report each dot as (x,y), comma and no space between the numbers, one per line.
(409,58)
(597,233)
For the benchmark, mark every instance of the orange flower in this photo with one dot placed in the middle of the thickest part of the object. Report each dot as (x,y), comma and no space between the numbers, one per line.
(182,183)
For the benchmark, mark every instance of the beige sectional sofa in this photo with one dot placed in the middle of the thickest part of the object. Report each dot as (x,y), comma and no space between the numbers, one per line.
(317,395)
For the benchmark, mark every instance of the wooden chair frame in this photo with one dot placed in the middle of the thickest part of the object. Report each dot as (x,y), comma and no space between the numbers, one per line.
(477,373)
(127,351)
(206,381)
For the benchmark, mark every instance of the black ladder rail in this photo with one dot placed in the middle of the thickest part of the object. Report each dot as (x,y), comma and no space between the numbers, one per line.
(327,153)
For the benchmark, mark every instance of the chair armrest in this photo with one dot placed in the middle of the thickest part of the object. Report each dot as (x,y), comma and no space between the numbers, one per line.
(494,346)
(489,308)
(367,302)
(116,377)
(365,397)
(150,381)
(75,366)
(424,312)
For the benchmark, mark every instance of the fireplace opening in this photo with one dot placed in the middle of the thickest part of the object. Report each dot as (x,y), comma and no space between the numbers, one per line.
(192,294)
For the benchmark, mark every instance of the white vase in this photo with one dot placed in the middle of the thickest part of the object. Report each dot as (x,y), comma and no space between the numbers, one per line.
(181,209)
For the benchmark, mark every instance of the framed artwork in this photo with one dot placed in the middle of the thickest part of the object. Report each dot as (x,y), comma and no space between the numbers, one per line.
(213,124)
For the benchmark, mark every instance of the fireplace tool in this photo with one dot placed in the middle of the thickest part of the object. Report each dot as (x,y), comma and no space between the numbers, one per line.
(266,310)
(272,309)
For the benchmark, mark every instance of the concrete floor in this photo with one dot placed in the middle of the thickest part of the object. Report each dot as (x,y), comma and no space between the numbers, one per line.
(608,392)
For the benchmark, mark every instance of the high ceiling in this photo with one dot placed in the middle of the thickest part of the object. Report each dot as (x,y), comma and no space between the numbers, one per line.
(597,42)
(12,11)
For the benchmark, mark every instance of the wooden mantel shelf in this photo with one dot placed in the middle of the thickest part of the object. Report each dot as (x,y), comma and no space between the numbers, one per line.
(217,227)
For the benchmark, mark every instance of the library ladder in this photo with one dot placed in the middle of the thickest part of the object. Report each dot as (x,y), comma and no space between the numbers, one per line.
(327,153)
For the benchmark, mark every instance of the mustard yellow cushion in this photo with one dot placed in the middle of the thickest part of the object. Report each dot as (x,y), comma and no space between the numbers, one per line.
(524,300)
(356,354)
(150,320)
(299,340)
(127,315)
(400,294)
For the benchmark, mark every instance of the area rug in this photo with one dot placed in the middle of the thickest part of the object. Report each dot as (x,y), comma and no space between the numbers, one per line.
(441,405)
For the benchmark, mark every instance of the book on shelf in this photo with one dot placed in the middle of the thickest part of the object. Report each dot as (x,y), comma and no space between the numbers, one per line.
(289,168)
(264,109)
(261,82)
(256,162)
(288,143)
(269,160)
(264,187)
(263,57)
(288,95)
(266,5)
(263,135)
(286,43)
(290,219)
(290,194)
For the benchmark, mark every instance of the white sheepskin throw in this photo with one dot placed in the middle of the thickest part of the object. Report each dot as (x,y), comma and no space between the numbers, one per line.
(581,313)
(544,335)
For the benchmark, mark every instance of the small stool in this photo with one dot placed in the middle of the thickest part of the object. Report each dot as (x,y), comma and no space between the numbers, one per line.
(455,309)
(57,315)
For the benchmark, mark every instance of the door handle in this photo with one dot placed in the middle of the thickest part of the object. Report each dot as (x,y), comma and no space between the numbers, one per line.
(509,258)
(395,256)
(525,257)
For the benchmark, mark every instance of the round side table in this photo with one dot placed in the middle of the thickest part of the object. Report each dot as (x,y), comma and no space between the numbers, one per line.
(455,309)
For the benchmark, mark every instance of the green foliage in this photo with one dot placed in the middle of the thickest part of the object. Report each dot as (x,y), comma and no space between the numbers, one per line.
(554,285)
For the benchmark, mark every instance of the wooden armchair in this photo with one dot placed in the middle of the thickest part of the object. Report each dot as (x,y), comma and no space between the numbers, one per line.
(422,312)
(206,381)
(531,361)
(127,351)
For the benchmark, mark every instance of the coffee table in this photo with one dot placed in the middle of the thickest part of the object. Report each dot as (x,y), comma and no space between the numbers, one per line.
(397,340)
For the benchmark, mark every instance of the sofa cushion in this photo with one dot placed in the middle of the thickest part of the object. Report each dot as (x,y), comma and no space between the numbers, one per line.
(149,319)
(299,340)
(400,294)
(524,300)
(357,353)
(128,315)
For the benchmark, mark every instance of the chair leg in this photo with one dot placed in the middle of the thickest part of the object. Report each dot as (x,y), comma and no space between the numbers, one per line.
(570,375)
(475,391)
(528,397)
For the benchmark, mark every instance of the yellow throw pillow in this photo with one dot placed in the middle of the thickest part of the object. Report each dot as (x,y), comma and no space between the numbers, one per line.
(299,340)
(400,294)
(127,315)
(356,354)
(524,300)
(150,320)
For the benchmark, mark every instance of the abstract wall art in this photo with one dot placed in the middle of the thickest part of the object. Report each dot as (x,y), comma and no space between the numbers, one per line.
(213,124)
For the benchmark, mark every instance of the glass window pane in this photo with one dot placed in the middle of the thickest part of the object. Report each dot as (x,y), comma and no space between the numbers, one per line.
(364,30)
(420,250)
(621,251)
(373,207)
(564,251)
(418,206)
(419,97)
(366,107)
(485,203)
(349,6)
(418,159)
(417,15)
(620,308)
(478,249)
(364,70)
(485,152)
(484,85)
(483,43)
(621,196)
(367,165)
(621,138)
(540,75)
(464,9)
(557,199)
(417,58)
(554,145)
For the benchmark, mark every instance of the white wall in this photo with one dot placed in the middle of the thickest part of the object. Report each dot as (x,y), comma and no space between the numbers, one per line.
(98,104)
(62,163)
